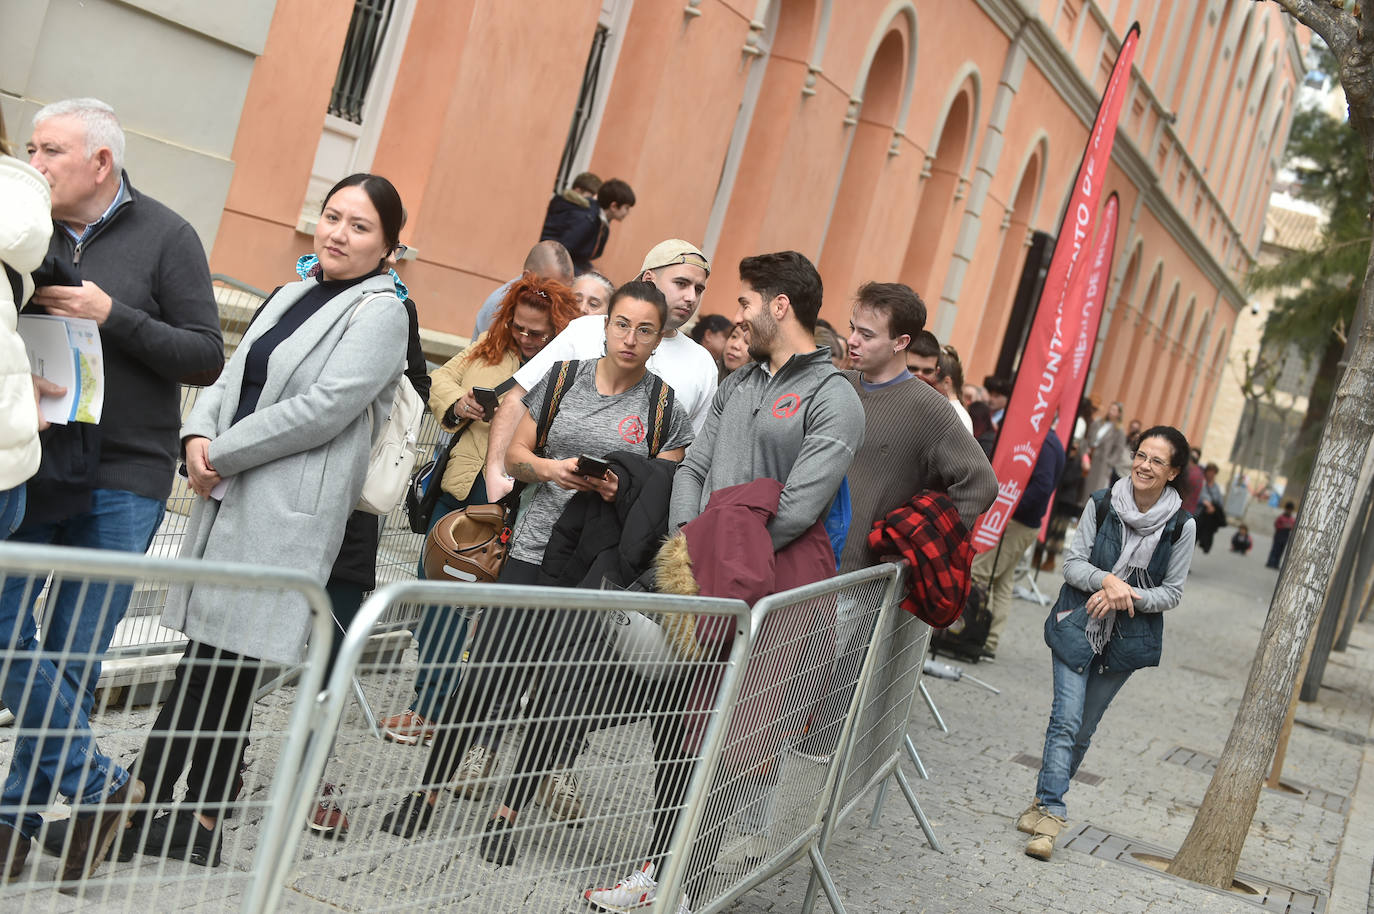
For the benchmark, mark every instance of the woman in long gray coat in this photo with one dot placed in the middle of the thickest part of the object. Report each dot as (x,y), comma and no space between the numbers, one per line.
(277,449)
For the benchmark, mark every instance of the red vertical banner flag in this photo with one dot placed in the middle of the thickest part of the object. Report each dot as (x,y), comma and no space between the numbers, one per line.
(1090,318)
(1044,372)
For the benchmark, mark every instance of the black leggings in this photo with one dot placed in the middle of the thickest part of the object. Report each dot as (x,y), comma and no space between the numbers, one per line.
(206,718)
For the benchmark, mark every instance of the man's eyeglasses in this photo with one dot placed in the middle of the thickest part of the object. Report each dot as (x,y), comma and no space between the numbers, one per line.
(528,334)
(621,328)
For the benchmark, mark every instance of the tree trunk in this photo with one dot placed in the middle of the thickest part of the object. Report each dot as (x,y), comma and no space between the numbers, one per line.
(1298,466)
(1212,849)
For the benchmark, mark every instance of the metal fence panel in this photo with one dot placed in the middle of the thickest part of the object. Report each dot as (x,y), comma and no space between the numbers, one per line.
(252,818)
(543,690)
(784,746)
(880,728)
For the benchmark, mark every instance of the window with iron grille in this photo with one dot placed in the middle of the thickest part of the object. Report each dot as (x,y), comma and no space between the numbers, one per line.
(363,45)
(582,114)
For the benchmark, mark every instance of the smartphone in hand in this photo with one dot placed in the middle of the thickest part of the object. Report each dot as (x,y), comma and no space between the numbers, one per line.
(487,399)
(593,467)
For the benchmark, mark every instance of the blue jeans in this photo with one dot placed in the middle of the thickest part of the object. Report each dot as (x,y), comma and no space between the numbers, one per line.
(441,632)
(11,510)
(1080,699)
(49,684)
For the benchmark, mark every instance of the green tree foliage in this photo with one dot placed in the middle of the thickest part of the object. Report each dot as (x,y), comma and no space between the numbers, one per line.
(1328,159)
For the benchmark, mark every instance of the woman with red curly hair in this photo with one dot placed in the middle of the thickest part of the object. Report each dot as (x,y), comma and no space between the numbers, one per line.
(533,312)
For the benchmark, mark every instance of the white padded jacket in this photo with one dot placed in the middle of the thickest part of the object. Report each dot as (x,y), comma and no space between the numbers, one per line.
(25,227)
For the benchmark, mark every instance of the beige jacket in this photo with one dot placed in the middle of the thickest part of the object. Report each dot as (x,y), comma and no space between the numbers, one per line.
(25,227)
(449,382)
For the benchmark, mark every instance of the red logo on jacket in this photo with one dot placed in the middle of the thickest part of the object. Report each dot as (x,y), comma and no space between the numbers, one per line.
(631,430)
(786,406)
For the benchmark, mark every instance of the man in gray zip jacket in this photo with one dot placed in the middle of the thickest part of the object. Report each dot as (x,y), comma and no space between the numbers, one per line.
(791,417)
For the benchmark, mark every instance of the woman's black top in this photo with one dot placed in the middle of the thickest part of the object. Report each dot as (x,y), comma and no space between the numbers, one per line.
(255,366)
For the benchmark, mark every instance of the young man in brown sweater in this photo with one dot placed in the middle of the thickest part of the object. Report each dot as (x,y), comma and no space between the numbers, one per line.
(913,442)
(913,439)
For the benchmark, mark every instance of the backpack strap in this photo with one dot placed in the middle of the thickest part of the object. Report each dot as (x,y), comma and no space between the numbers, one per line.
(660,408)
(562,376)
(1103,503)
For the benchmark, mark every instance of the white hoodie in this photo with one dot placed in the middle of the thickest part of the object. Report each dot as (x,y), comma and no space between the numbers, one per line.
(25,227)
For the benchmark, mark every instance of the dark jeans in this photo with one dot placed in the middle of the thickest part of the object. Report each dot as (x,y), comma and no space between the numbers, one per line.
(50,683)
(441,631)
(1276,550)
(205,719)
(12,510)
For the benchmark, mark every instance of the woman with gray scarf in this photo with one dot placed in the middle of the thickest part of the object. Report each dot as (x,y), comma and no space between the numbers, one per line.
(1126,565)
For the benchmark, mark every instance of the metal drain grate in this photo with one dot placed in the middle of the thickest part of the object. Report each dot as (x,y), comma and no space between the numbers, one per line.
(1268,895)
(1033,763)
(1207,764)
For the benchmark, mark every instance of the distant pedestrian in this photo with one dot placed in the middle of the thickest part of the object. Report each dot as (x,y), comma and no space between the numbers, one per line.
(736,354)
(1242,542)
(711,332)
(1127,564)
(1192,483)
(592,292)
(1283,529)
(568,212)
(548,260)
(923,357)
(1108,457)
(1211,515)
(583,228)
(998,393)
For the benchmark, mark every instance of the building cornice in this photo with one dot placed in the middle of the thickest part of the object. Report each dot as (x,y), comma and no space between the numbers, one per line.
(1059,68)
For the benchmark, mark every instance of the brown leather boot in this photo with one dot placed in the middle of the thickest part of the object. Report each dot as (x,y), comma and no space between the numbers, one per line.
(14,850)
(93,833)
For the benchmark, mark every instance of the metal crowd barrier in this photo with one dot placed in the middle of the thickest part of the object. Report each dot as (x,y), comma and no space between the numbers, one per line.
(879,738)
(254,812)
(723,770)
(547,694)
(770,793)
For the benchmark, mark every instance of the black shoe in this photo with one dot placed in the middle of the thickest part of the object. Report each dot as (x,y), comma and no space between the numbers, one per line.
(497,845)
(126,842)
(989,656)
(180,836)
(410,818)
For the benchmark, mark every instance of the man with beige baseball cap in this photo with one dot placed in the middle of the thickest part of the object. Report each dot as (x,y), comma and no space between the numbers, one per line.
(680,271)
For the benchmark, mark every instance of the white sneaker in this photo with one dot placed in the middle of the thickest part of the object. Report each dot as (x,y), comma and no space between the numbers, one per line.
(631,893)
(561,795)
(474,772)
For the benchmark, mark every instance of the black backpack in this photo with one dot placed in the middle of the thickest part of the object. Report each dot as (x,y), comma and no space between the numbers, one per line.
(966,635)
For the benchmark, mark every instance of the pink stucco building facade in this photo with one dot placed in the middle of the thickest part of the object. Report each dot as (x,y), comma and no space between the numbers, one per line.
(913,140)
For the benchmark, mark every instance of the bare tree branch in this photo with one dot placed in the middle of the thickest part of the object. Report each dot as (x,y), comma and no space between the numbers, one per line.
(1328,18)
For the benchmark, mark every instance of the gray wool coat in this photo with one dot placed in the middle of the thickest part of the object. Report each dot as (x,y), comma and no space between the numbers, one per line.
(295,465)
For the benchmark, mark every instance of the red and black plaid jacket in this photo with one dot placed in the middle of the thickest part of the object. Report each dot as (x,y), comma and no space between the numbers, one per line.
(928,533)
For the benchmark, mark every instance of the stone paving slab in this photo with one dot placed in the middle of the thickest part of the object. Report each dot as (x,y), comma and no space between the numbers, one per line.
(1190,700)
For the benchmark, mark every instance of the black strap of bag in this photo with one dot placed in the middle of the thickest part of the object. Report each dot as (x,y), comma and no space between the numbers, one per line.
(561,377)
(660,408)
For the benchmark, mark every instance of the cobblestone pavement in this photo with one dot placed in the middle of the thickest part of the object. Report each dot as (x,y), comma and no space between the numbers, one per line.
(1182,710)
(976,789)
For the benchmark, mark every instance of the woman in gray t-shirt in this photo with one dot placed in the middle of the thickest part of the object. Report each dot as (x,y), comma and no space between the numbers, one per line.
(604,408)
